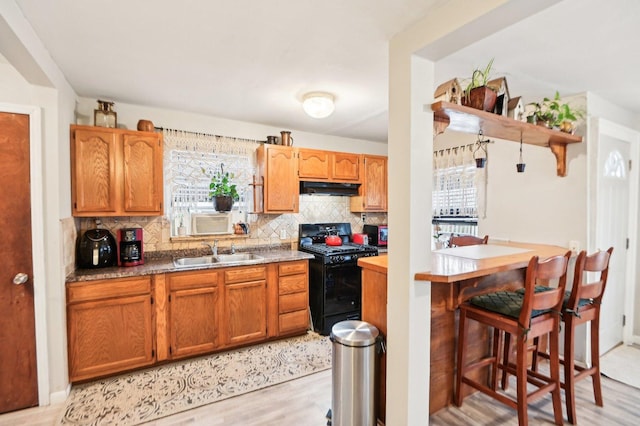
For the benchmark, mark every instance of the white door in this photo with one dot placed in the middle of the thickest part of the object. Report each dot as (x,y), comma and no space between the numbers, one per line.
(612,231)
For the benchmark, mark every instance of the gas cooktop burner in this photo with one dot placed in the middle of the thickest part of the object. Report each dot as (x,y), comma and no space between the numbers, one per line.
(343,249)
(312,238)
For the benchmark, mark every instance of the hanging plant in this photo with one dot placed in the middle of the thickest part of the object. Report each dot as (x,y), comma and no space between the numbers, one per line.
(222,190)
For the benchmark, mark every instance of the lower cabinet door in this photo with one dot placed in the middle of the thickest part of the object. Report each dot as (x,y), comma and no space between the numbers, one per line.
(194,321)
(109,336)
(245,312)
(294,322)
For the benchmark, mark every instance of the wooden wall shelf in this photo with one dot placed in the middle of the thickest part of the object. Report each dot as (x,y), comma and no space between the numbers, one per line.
(469,120)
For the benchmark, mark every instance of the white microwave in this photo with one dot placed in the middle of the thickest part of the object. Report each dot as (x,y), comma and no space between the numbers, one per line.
(211,223)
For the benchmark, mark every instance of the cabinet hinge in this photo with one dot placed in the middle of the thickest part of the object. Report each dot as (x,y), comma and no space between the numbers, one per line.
(629,165)
(627,244)
(169,298)
(153,353)
(152,300)
(170,351)
(624,320)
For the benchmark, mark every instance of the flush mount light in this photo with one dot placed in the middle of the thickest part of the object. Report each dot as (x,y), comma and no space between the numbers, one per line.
(318,104)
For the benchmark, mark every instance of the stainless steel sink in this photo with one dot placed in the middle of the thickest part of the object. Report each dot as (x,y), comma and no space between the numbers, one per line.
(194,261)
(185,262)
(236,257)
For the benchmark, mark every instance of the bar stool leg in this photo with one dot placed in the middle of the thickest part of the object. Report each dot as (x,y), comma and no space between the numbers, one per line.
(554,367)
(569,369)
(497,349)
(505,361)
(521,377)
(463,326)
(595,359)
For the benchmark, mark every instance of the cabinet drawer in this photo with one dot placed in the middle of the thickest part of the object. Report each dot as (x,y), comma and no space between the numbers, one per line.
(290,268)
(245,274)
(188,280)
(293,302)
(293,284)
(102,289)
(293,321)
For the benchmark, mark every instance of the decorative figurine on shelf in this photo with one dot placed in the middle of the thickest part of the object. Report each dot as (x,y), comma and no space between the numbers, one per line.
(105,116)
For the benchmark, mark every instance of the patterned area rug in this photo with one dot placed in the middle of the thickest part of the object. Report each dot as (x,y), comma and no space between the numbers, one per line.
(146,395)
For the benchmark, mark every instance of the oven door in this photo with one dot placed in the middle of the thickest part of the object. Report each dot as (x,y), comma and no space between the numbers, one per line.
(342,289)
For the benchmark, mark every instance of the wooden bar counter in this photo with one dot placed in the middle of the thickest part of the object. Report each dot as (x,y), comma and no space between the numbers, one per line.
(374,311)
(456,275)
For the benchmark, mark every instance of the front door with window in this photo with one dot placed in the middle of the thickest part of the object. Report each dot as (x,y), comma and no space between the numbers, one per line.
(612,231)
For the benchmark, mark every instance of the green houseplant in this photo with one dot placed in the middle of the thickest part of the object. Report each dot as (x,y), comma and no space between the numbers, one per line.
(222,190)
(477,94)
(555,114)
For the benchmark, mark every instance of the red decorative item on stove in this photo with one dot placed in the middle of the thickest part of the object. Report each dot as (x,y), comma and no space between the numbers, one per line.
(333,240)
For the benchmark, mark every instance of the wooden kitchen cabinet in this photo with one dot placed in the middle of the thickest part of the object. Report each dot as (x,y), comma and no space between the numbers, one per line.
(116,325)
(109,327)
(115,172)
(293,297)
(372,195)
(319,165)
(194,313)
(245,305)
(278,170)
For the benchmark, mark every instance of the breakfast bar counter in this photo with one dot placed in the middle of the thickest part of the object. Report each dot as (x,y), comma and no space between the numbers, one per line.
(456,275)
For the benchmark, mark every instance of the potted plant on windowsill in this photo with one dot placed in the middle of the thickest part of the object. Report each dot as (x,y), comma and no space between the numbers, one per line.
(477,94)
(222,191)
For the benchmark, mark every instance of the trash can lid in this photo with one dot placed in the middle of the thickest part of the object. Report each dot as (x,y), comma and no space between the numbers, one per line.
(354,333)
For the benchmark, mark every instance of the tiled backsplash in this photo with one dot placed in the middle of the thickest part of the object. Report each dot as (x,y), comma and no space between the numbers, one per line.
(264,229)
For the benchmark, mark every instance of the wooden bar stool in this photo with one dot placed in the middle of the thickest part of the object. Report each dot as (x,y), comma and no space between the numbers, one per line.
(581,305)
(467,240)
(526,316)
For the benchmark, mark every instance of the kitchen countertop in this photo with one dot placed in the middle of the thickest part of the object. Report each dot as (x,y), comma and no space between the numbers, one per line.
(461,263)
(165,265)
(375,263)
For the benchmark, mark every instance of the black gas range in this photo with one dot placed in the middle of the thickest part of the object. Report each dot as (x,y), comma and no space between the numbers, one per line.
(334,276)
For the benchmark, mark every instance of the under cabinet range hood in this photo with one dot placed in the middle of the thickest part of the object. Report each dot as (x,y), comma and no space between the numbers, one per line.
(329,188)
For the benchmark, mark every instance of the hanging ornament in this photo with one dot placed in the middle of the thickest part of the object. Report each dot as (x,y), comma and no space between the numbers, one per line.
(520,165)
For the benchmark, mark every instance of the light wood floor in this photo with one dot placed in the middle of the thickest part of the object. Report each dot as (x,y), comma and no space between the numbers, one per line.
(305,402)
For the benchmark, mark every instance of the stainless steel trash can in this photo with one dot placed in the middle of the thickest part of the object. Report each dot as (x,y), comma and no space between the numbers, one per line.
(354,360)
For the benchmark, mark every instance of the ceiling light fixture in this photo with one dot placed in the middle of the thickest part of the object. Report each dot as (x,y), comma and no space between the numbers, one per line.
(318,104)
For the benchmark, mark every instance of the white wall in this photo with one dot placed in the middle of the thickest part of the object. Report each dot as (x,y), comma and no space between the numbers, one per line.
(128,116)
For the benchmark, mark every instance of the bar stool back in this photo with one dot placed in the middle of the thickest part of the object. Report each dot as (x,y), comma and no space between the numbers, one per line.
(467,240)
(525,316)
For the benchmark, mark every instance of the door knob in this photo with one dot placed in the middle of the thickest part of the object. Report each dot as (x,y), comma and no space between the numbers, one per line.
(20,278)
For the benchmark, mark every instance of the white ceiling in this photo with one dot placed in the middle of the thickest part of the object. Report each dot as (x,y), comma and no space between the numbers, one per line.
(254,60)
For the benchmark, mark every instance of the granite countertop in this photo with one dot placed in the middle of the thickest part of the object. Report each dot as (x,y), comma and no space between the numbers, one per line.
(165,264)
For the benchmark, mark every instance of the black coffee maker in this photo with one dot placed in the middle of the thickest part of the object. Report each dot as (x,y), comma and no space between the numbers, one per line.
(130,247)
(96,249)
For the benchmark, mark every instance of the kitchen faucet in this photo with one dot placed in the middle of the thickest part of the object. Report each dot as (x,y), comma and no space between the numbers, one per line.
(214,247)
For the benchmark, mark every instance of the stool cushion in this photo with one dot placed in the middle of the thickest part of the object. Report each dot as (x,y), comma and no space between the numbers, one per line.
(567,295)
(507,303)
